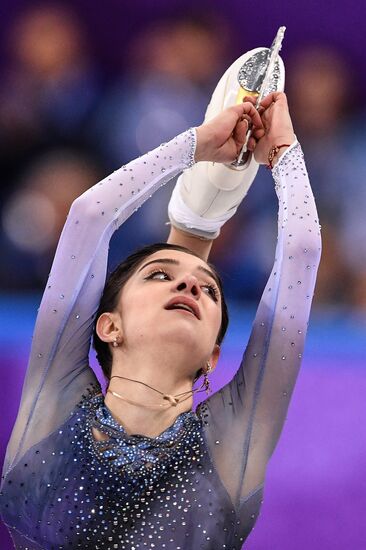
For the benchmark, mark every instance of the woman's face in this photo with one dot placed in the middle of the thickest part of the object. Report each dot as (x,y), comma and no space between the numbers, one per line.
(172,299)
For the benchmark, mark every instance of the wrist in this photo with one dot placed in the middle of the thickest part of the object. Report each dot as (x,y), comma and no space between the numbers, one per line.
(277,152)
(196,244)
(278,149)
(204,138)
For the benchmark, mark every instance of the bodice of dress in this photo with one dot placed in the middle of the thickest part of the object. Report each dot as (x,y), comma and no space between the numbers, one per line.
(199,484)
(127,492)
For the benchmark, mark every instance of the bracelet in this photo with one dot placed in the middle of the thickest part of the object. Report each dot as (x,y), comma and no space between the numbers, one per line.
(273,152)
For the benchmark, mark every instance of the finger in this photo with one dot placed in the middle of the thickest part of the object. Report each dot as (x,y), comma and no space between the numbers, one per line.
(258,133)
(250,98)
(251,111)
(240,132)
(247,118)
(273,98)
(251,143)
(247,111)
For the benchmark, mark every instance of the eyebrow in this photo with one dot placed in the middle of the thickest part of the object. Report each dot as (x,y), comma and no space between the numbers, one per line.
(176,262)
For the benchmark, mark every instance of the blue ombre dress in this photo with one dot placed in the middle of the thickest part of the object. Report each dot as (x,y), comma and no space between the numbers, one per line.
(198,485)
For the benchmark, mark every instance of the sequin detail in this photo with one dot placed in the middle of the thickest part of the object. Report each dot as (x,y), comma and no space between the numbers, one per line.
(250,75)
(193,139)
(138,455)
(64,489)
(128,492)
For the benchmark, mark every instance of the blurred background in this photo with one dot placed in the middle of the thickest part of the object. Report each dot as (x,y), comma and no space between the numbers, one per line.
(88,86)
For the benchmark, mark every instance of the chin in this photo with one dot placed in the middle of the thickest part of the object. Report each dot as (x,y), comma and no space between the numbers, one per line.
(183,336)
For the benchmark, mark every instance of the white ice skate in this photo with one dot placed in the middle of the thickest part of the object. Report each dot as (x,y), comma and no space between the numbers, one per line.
(208,194)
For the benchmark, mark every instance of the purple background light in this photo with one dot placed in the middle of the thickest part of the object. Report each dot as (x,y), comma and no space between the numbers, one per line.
(315,493)
(112,25)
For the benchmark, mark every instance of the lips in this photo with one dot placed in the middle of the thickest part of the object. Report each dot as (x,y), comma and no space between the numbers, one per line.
(184,303)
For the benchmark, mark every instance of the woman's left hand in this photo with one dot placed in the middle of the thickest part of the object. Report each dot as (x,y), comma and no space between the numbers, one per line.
(278,129)
(221,138)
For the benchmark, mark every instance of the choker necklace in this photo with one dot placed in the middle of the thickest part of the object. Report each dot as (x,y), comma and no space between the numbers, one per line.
(170,400)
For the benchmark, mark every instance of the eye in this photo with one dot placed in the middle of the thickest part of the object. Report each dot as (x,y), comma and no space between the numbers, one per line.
(158,274)
(162,275)
(212,291)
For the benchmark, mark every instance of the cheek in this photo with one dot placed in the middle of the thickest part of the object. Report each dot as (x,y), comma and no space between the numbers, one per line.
(136,308)
(216,319)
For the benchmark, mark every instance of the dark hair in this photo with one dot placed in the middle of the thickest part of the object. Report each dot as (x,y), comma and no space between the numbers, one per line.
(116,282)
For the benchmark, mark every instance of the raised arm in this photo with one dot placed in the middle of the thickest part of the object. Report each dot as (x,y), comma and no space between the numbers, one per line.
(58,371)
(243,421)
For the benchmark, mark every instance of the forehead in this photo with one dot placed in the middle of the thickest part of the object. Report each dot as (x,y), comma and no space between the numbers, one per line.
(185,259)
(181,261)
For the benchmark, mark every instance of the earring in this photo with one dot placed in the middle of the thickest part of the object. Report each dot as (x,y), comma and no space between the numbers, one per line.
(115,343)
(206,381)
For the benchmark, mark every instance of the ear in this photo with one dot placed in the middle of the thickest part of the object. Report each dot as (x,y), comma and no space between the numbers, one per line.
(108,327)
(215,356)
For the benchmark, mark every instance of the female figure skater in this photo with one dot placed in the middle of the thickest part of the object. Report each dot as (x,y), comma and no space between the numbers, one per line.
(138,468)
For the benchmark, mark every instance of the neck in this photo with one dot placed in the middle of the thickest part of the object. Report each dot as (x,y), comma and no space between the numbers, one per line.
(138,415)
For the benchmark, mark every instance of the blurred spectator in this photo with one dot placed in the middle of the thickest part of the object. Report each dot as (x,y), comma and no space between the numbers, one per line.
(33,216)
(322,96)
(48,91)
(173,67)
(52,108)
(319,87)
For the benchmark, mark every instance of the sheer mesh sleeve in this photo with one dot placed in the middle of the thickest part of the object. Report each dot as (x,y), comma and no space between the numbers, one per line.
(244,420)
(58,371)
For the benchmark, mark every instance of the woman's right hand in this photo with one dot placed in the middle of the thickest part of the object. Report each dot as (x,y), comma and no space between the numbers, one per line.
(278,129)
(221,138)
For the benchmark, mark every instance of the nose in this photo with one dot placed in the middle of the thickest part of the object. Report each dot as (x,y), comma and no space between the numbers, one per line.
(189,285)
